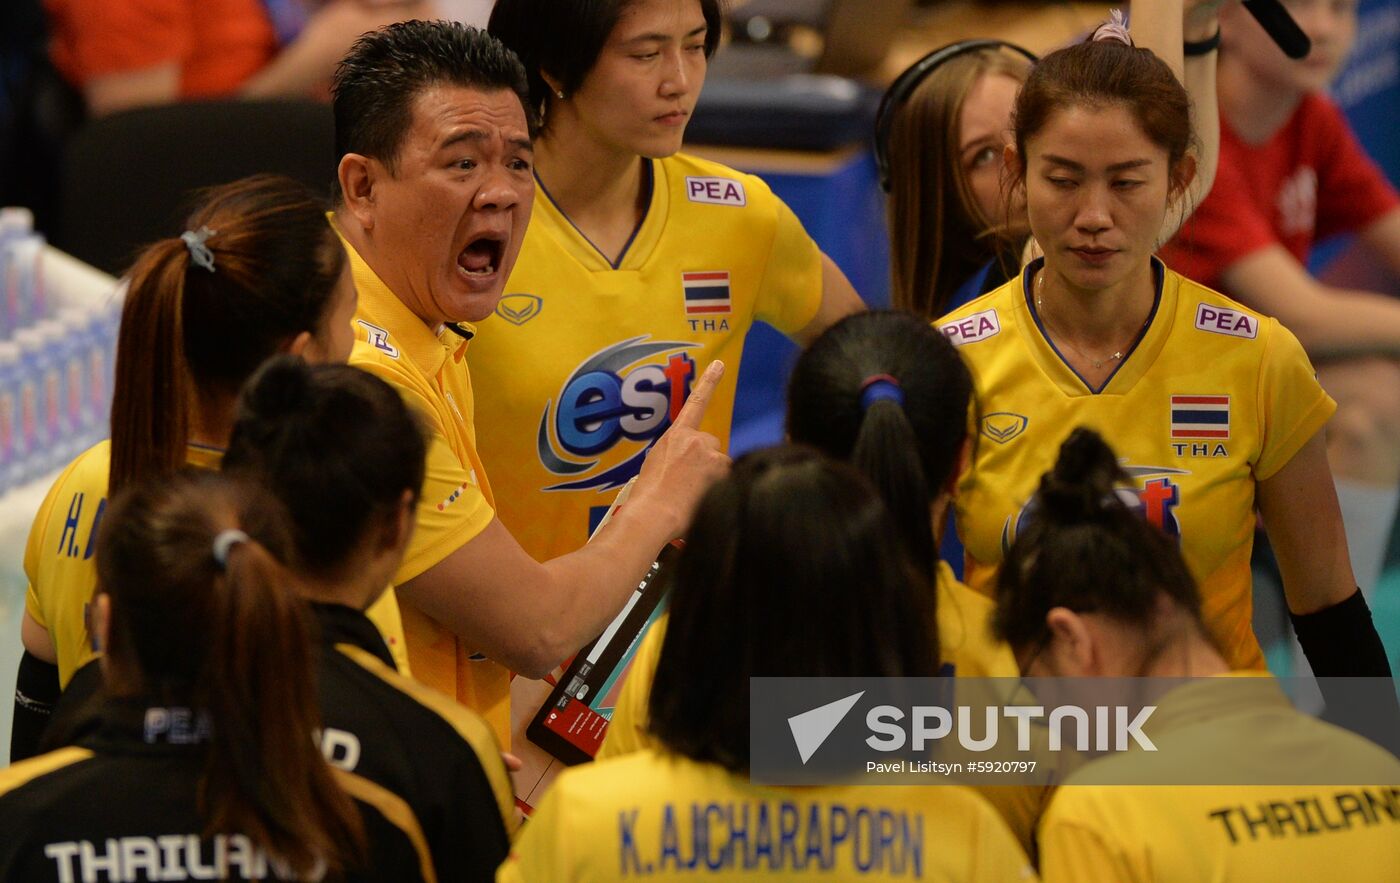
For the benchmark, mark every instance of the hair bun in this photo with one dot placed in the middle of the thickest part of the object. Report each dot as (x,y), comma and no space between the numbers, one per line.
(280,388)
(1083,483)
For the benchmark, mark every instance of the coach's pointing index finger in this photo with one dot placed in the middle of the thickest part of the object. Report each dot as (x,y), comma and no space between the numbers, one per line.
(694,408)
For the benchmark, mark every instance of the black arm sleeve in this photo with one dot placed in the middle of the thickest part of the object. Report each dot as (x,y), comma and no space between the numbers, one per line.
(1352,671)
(36,693)
(1341,641)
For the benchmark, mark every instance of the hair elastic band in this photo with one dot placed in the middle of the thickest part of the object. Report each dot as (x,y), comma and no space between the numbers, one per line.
(1113,29)
(224,543)
(1201,47)
(880,387)
(195,241)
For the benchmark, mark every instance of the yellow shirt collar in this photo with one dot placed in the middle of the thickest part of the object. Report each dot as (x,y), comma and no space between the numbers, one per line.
(426,347)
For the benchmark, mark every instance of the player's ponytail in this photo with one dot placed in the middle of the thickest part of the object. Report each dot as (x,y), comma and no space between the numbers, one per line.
(886,450)
(256,265)
(203,615)
(888,393)
(1082,545)
(151,389)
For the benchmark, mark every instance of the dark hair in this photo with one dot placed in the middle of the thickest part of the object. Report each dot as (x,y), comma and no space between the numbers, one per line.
(1106,72)
(565,37)
(336,445)
(188,332)
(1083,548)
(909,450)
(939,234)
(790,569)
(232,641)
(377,82)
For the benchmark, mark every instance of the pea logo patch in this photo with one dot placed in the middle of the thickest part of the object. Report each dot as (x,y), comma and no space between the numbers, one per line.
(1002,426)
(517,309)
(1221,320)
(716,191)
(978,326)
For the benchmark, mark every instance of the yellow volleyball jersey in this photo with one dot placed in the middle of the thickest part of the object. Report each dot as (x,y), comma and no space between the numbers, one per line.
(585,364)
(1096,829)
(663,817)
(58,559)
(1210,400)
(964,638)
(428,368)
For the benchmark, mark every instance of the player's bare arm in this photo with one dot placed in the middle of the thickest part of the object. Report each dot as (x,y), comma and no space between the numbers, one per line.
(839,299)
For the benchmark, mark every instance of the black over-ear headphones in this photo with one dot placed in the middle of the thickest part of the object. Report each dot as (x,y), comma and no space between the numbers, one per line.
(905,84)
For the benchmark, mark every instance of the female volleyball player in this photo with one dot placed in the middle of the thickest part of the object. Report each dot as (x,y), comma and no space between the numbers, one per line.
(203,762)
(944,122)
(343,454)
(792,566)
(257,271)
(1090,589)
(640,266)
(1214,408)
(887,393)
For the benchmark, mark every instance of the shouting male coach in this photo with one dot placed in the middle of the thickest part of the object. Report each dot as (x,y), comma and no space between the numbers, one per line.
(436,188)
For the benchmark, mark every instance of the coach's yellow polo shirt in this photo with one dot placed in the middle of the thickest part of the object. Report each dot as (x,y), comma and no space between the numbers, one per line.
(428,367)
(62,572)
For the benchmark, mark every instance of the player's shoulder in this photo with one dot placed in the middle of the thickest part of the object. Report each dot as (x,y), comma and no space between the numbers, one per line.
(984,318)
(710,186)
(1208,315)
(86,474)
(89,471)
(40,775)
(467,725)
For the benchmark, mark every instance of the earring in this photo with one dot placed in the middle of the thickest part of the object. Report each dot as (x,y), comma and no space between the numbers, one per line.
(560,93)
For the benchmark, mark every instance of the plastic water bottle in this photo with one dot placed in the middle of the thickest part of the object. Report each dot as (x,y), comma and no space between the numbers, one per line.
(30,441)
(52,398)
(24,280)
(15,224)
(103,326)
(78,410)
(9,416)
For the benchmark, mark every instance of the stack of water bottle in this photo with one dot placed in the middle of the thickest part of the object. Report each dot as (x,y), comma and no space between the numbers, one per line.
(56,361)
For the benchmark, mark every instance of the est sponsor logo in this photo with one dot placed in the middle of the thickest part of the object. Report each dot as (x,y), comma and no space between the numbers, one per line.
(716,191)
(978,326)
(517,309)
(1223,320)
(611,410)
(1156,498)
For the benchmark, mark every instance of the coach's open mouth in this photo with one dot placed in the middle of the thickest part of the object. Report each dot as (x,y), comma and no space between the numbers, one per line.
(483,255)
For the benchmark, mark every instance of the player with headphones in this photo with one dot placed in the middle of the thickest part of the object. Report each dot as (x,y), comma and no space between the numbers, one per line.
(942,127)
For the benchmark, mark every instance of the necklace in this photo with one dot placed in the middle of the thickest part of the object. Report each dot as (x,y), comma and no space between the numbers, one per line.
(1116,356)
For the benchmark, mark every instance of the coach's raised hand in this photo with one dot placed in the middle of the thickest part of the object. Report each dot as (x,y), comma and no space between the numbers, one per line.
(684,462)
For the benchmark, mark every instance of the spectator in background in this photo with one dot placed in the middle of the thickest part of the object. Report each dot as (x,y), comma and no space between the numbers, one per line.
(956,232)
(1292,173)
(122,54)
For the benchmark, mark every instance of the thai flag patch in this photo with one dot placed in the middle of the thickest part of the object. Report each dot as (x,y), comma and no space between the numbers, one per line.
(706,293)
(1201,417)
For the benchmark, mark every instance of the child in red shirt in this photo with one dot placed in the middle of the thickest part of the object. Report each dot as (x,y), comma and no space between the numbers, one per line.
(1291,173)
